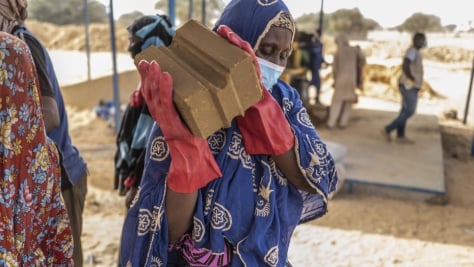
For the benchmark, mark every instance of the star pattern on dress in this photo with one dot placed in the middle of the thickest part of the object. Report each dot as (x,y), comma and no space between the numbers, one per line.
(263,198)
(265,192)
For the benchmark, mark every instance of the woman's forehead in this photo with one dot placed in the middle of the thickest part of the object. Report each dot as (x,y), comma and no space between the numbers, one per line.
(277,33)
(282,24)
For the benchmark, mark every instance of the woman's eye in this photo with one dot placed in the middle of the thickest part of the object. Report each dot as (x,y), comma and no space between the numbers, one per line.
(266,50)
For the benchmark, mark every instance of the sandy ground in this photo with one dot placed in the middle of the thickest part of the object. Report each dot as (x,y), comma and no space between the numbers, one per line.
(360,229)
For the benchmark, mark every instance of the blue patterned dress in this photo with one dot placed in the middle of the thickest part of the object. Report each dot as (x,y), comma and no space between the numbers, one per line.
(251,210)
(247,216)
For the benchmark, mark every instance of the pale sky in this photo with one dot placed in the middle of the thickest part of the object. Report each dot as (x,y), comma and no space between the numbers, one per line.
(386,12)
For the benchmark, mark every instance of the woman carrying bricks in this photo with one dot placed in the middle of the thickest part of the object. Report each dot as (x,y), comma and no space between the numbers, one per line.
(235,198)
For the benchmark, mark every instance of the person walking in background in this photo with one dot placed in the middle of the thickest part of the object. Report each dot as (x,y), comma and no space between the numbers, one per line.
(146,31)
(235,198)
(347,60)
(409,84)
(34,225)
(316,61)
(73,167)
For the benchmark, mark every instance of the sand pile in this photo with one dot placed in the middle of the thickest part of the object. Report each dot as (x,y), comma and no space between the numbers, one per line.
(72,37)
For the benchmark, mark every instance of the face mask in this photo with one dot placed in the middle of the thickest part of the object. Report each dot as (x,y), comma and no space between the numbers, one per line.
(270,72)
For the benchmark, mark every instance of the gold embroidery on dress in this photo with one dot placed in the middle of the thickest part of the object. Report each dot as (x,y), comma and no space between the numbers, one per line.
(275,171)
(263,197)
(155,261)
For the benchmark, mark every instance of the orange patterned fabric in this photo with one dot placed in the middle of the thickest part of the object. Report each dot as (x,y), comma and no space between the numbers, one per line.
(34,227)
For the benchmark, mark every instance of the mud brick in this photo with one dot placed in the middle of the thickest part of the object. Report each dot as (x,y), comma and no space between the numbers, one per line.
(214,81)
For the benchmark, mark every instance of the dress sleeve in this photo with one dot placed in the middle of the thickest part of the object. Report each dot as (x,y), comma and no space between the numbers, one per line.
(145,224)
(314,159)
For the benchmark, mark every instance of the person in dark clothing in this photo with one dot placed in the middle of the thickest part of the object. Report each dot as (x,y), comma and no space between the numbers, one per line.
(316,61)
(146,31)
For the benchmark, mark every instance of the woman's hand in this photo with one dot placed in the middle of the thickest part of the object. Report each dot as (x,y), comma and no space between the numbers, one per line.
(192,164)
(227,33)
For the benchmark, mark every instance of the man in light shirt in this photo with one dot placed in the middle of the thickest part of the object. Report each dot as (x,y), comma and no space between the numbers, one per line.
(409,84)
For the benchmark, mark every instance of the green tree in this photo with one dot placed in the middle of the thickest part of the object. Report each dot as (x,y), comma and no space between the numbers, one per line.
(64,12)
(213,10)
(350,21)
(310,22)
(450,27)
(420,22)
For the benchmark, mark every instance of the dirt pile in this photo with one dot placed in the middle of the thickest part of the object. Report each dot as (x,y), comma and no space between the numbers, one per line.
(73,37)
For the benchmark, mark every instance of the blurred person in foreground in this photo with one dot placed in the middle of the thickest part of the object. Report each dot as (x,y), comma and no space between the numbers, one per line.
(74,173)
(146,31)
(346,62)
(409,84)
(34,225)
(235,198)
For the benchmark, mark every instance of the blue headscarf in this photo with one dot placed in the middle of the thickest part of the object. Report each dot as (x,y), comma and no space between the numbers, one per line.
(145,33)
(151,30)
(251,19)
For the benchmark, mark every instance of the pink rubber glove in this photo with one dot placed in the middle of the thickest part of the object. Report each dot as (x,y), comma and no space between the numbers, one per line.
(192,164)
(264,127)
